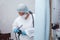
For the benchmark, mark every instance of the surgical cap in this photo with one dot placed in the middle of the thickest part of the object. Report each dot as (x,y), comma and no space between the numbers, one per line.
(22,8)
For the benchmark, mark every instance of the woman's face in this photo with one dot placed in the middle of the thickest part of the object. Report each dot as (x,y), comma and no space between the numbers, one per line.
(24,15)
(21,13)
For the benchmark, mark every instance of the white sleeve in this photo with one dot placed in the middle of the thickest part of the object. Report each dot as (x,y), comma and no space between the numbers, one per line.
(14,25)
(30,32)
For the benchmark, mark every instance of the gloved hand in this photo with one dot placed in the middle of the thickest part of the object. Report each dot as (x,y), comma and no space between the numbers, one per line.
(16,30)
(23,33)
(20,32)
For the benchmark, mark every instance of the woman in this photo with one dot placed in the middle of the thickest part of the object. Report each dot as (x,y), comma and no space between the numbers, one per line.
(24,23)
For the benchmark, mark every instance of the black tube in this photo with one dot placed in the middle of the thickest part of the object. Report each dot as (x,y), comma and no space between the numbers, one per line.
(32,17)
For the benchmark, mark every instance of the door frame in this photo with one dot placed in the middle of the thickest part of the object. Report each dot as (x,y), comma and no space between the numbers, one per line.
(50,35)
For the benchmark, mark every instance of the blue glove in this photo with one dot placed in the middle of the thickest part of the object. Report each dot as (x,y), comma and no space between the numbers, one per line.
(23,33)
(16,30)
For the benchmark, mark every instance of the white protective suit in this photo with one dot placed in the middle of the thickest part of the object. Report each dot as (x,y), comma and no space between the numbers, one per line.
(27,25)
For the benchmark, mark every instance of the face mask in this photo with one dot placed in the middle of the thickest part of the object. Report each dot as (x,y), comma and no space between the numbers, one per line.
(24,16)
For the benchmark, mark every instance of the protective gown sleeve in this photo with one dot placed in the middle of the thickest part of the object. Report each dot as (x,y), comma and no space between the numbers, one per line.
(14,27)
(30,32)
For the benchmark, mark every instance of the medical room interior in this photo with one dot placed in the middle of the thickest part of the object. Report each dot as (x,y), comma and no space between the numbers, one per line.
(45,19)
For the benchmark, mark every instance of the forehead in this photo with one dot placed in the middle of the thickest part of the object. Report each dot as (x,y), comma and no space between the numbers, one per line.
(23,12)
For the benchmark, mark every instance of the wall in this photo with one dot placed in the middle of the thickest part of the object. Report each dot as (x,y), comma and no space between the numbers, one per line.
(55,15)
(55,11)
(42,20)
(8,13)
(47,19)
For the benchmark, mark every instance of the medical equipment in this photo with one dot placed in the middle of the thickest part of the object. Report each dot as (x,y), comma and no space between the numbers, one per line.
(20,32)
(32,17)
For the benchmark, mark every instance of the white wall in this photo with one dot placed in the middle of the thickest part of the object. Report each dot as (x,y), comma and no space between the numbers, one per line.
(55,11)
(55,15)
(42,20)
(47,19)
(8,13)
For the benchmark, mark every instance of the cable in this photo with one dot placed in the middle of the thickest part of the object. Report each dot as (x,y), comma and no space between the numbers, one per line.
(15,36)
(32,17)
